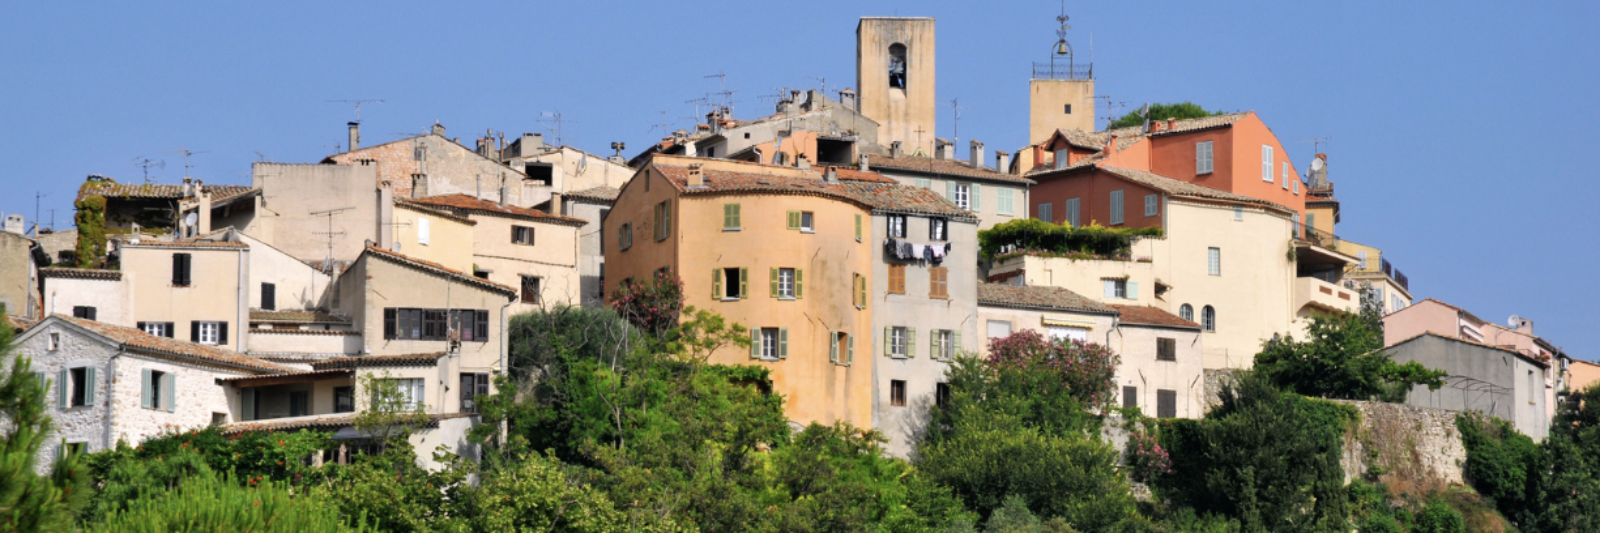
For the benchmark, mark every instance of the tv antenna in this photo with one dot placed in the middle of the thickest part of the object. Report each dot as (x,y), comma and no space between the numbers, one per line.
(358,104)
(727,95)
(330,234)
(335,147)
(955,111)
(186,153)
(665,125)
(146,163)
(260,156)
(822,84)
(1111,107)
(1316,143)
(555,121)
(36,197)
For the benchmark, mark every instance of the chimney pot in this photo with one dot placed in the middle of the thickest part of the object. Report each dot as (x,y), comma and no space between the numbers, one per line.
(1111,145)
(1002,161)
(894,149)
(865,166)
(1172,123)
(802,161)
(830,175)
(438,129)
(557,207)
(696,177)
(977,154)
(355,136)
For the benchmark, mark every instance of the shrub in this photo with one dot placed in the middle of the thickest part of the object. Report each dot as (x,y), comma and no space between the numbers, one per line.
(1438,517)
(210,503)
(1089,242)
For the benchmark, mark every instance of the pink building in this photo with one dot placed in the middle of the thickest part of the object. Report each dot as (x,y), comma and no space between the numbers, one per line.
(1434,316)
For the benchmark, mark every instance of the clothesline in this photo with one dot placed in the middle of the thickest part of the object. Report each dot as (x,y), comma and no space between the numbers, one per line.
(911,251)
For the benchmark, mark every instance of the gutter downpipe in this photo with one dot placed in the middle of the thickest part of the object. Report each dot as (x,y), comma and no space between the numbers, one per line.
(505,357)
(111,383)
(244,302)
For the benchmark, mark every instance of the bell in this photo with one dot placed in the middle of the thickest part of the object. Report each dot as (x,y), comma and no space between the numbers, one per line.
(1061,48)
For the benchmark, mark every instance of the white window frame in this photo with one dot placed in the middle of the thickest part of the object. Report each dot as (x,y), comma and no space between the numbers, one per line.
(210,333)
(1285,165)
(807,221)
(1266,163)
(938,229)
(1214,261)
(1062,157)
(422,231)
(157,329)
(1116,288)
(989,328)
(769,344)
(963,197)
(897,226)
(897,341)
(786,283)
(947,345)
(1186,312)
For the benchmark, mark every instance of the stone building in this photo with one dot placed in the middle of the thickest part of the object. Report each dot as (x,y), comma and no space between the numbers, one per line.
(432,165)
(536,252)
(1497,381)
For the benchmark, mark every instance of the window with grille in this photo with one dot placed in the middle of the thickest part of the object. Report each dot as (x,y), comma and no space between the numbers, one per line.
(1166,349)
(1214,261)
(898,341)
(769,343)
(1130,397)
(786,283)
(1166,403)
(1186,312)
(963,197)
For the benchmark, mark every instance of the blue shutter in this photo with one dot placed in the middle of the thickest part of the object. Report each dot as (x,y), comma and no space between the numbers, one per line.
(975,195)
(146,390)
(1111,288)
(1116,207)
(247,404)
(169,397)
(89,385)
(63,383)
(1133,290)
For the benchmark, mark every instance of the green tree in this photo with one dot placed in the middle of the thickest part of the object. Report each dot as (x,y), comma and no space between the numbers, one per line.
(206,502)
(1438,517)
(837,478)
(537,496)
(1343,358)
(1180,111)
(29,501)
(91,221)
(390,414)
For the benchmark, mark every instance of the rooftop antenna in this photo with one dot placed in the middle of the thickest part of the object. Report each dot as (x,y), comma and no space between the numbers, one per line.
(335,147)
(330,234)
(822,84)
(186,153)
(358,104)
(145,163)
(955,109)
(260,156)
(665,125)
(1316,143)
(555,122)
(727,95)
(36,197)
(1111,108)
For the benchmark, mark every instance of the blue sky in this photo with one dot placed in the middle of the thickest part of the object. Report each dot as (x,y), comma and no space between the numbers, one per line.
(1457,128)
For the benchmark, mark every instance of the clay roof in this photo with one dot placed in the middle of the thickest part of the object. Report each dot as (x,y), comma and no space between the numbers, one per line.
(364,361)
(464,204)
(1181,188)
(946,167)
(296,374)
(868,189)
(20,323)
(1144,315)
(294,316)
(80,273)
(112,190)
(603,193)
(335,421)
(220,245)
(435,211)
(139,341)
(1525,357)
(298,331)
(430,266)
(1039,297)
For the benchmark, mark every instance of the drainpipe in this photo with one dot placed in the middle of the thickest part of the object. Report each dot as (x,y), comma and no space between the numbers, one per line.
(111,382)
(243,334)
(505,358)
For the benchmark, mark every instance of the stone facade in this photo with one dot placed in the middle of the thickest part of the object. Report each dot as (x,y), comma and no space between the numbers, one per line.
(1418,444)
(431,165)
(18,275)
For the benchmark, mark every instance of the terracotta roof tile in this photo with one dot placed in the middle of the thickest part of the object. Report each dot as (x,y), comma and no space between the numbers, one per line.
(140,341)
(322,422)
(1038,297)
(294,316)
(363,361)
(946,167)
(1151,316)
(464,204)
(608,194)
(295,374)
(871,190)
(1181,188)
(20,323)
(157,191)
(81,273)
(438,269)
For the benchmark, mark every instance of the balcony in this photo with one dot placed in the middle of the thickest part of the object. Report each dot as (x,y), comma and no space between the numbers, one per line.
(1315,236)
(1388,270)
(1328,297)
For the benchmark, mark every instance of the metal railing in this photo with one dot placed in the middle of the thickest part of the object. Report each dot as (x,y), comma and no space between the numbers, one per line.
(1061,72)
(1315,236)
(1325,191)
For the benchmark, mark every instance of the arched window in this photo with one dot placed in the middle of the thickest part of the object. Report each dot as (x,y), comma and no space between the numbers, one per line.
(1208,319)
(1186,312)
(897,66)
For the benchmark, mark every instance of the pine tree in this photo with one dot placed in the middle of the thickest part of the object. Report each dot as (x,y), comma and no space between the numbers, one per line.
(30,501)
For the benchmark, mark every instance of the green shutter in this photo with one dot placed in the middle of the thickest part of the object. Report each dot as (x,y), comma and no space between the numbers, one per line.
(794,220)
(888,342)
(1133,290)
(88,385)
(773,272)
(737,216)
(247,404)
(666,220)
(783,343)
(850,349)
(146,390)
(977,198)
(955,337)
(799,277)
(833,348)
(911,342)
(63,382)
(862,288)
(744,282)
(755,343)
(933,343)
(169,397)
(950,191)
(716,284)
(858,228)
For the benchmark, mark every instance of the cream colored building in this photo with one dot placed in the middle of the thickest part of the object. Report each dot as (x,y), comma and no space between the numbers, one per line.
(314,211)
(1390,287)
(1059,104)
(1162,371)
(553,171)
(433,234)
(195,290)
(93,294)
(995,197)
(533,251)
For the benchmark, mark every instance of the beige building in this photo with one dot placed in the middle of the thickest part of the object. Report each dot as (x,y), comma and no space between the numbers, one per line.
(92,294)
(432,233)
(20,259)
(1059,104)
(195,290)
(553,171)
(1162,371)
(895,75)
(433,165)
(1390,288)
(592,206)
(518,247)
(1053,312)
(314,212)
(995,197)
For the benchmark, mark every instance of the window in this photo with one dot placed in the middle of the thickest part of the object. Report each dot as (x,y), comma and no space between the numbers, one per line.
(663,220)
(1068,333)
(1285,175)
(79,387)
(522,235)
(1166,403)
(1150,205)
(772,344)
(945,344)
(1266,163)
(839,345)
(1166,349)
(159,329)
(480,274)
(1072,212)
(1186,312)
(897,279)
(787,283)
(897,66)
(204,332)
(1202,157)
(806,219)
(435,324)
(299,403)
(269,297)
(897,226)
(1311,221)
(1063,158)
(730,217)
(1044,212)
(939,283)
(1297,187)
(625,236)
(530,290)
(55,341)
(1294,226)
(729,283)
(1361,259)
(898,340)
(1115,288)
(897,393)
(422,230)
(83,311)
(473,386)
(1116,207)
(412,392)
(999,329)
(1067,109)
(1214,261)
(938,229)
(180,270)
(344,399)
(1130,397)
(1005,203)
(1238,212)
(961,195)
(941,391)
(157,390)
(1208,319)
(922,182)
(860,286)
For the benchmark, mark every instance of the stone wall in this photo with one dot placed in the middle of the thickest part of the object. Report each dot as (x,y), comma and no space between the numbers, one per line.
(1413,445)
(1215,378)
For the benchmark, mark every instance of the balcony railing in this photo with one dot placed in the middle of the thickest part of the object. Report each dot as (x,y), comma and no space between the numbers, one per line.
(1316,236)
(1062,71)
(1325,191)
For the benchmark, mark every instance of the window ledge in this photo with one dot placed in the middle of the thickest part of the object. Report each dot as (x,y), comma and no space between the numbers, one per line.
(803,230)
(787,298)
(730,299)
(732,229)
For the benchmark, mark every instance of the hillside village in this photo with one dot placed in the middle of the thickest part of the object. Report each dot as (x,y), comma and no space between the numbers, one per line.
(1181,244)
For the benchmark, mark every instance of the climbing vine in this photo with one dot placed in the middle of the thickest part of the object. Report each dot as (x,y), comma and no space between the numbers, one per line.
(91,219)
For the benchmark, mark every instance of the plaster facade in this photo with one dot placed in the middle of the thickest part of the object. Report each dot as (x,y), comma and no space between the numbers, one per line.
(352,204)
(380,280)
(295,284)
(107,291)
(19,275)
(995,199)
(432,235)
(1059,105)
(906,113)
(591,251)
(1495,381)
(432,165)
(1150,377)
(217,291)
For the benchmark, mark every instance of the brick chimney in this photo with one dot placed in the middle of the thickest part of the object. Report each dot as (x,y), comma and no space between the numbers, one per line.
(438,129)
(355,136)
(976,154)
(1172,123)
(1111,146)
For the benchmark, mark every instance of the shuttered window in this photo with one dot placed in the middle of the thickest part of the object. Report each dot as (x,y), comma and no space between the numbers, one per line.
(939,282)
(1062,158)
(1266,163)
(1166,403)
(730,216)
(269,296)
(181,266)
(1150,205)
(1072,212)
(1005,202)
(1166,349)
(84,312)
(1130,397)
(1044,212)
(897,279)
(1116,207)
(1202,157)
(1285,175)
(663,221)
(157,390)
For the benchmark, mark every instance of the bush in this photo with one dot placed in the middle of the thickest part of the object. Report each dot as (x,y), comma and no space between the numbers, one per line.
(1502,464)
(208,503)
(1438,517)
(1089,242)
(1342,357)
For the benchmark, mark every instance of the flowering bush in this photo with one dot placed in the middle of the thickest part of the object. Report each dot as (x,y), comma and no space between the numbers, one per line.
(1145,457)
(1085,369)
(652,306)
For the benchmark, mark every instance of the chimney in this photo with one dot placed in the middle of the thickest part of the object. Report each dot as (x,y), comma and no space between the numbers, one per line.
(438,129)
(847,97)
(944,149)
(1038,155)
(977,154)
(530,144)
(865,167)
(1172,123)
(1002,161)
(484,146)
(800,160)
(697,178)
(557,207)
(830,175)
(1111,145)
(188,186)
(894,150)
(355,136)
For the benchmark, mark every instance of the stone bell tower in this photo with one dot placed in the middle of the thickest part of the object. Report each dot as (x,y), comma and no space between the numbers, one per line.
(895,77)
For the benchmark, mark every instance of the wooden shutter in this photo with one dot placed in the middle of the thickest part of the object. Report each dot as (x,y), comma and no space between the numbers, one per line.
(63,383)
(89,385)
(833,348)
(744,282)
(783,343)
(858,228)
(389,323)
(934,344)
(1133,290)
(794,220)
(247,404)
(169,397)
(481,329)
(656,212)
(849,349)
(194,331)
(950,191)
(1166,349)
(147,388)
(1111,288)
(861,288)
(1116,207)
(716,284)
(888,341)
(1130,396)
(799,285)
(180,269)
(1166,403)
(738,216)
(755,343)
(222,334)
(955,339)
(772,273)
(975,197)
(911,342)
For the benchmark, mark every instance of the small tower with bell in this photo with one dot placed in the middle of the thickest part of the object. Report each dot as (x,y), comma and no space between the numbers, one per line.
(1061,93)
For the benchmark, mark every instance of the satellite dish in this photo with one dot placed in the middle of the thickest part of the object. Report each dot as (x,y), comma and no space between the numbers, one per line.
(1316,164)
(1515,321)
(191,219)
(396,246)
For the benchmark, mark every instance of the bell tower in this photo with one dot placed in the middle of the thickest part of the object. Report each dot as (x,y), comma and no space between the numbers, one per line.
(895,77)
(1061,93)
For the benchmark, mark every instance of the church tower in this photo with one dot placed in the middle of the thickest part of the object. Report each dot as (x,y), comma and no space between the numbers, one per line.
(1061,93)
(895,76)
